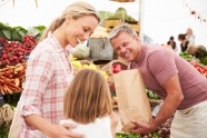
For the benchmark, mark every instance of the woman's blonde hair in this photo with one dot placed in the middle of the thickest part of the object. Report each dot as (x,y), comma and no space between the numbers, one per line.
(88,97)
(75,10)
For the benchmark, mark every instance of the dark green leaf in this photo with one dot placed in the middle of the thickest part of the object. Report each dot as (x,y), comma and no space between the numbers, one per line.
(7,34)
(15,36)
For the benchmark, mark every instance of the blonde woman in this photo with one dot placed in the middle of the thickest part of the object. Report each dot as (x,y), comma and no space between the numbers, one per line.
(49,72)
(88,105)
(190,36)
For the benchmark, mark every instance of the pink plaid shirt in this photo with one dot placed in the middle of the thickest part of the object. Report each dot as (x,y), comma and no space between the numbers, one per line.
(47,77)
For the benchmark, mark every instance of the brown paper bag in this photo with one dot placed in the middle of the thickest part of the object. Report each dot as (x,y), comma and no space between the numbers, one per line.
(133,103)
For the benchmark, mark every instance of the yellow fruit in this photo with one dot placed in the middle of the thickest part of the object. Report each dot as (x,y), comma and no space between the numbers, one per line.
(72,57)
(85,66)
(92,66)
(76,64)
(103,72)
(105,75)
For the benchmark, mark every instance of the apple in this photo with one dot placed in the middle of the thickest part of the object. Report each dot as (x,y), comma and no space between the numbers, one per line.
(116,68)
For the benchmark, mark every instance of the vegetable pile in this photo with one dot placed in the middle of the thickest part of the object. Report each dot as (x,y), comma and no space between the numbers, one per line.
(130,135)
(11,78)
(162,132)
(14,52)
(121,14)
(152,95)
(6,115)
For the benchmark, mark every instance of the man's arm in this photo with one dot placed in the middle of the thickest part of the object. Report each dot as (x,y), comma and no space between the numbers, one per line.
(168,108)
(171,102)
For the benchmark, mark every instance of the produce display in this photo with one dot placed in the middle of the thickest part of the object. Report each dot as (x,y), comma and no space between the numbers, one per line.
(201,68)
(198,52)
(198,63)
(11,79)
(17,33)
(87,64)
(130,135)
(126,135)
(162,132)
(15,46)
(121,14)
(100,32)
(13,56)
(14,52)
(6,115)
(186,56)
(152,95)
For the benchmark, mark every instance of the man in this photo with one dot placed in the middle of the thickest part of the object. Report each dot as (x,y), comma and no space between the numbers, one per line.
(177,82)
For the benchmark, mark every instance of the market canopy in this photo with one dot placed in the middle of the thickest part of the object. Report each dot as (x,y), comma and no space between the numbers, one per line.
(159,18)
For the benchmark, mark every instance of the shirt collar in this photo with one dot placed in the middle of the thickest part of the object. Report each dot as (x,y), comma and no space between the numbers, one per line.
(57,45)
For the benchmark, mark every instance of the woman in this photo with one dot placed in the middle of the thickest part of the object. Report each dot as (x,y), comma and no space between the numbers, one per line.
(88,104)
(49,72)
(184,43)
(171,42)
(190,36)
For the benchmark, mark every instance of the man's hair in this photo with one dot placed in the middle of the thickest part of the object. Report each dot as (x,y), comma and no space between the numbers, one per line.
(122,28)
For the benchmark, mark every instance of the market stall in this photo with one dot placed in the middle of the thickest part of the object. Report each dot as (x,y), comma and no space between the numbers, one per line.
(16,44)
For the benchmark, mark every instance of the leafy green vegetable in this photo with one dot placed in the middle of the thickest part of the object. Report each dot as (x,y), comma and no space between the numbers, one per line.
(126,135)
(15,36)
(7,34)
(122,14)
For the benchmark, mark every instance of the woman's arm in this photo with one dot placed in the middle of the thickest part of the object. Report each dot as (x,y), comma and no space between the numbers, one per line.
(53,131)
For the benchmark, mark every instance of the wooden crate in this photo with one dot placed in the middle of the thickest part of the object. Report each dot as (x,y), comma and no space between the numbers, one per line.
(135,26)
(110,24)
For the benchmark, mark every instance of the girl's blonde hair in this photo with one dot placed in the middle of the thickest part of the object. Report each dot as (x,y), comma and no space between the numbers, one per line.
(75,10)
(88,97)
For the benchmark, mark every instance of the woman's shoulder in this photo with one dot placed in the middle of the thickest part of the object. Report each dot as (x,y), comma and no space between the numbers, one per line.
(43,48)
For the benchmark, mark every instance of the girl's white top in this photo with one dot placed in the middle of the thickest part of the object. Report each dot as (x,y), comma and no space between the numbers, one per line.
(101,128)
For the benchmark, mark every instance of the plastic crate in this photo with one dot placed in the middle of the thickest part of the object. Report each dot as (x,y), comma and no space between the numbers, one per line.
(100,49)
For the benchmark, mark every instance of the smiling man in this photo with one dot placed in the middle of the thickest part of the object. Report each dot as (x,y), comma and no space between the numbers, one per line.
(177,82)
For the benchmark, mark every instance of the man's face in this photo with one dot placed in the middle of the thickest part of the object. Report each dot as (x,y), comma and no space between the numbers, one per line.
(126,46)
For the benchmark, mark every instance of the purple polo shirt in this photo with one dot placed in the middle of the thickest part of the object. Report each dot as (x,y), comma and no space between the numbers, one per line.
(158,64)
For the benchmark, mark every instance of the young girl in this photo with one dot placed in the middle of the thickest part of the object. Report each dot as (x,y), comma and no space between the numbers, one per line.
(88,105)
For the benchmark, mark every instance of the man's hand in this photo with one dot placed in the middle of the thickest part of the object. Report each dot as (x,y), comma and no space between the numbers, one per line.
(142,127)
